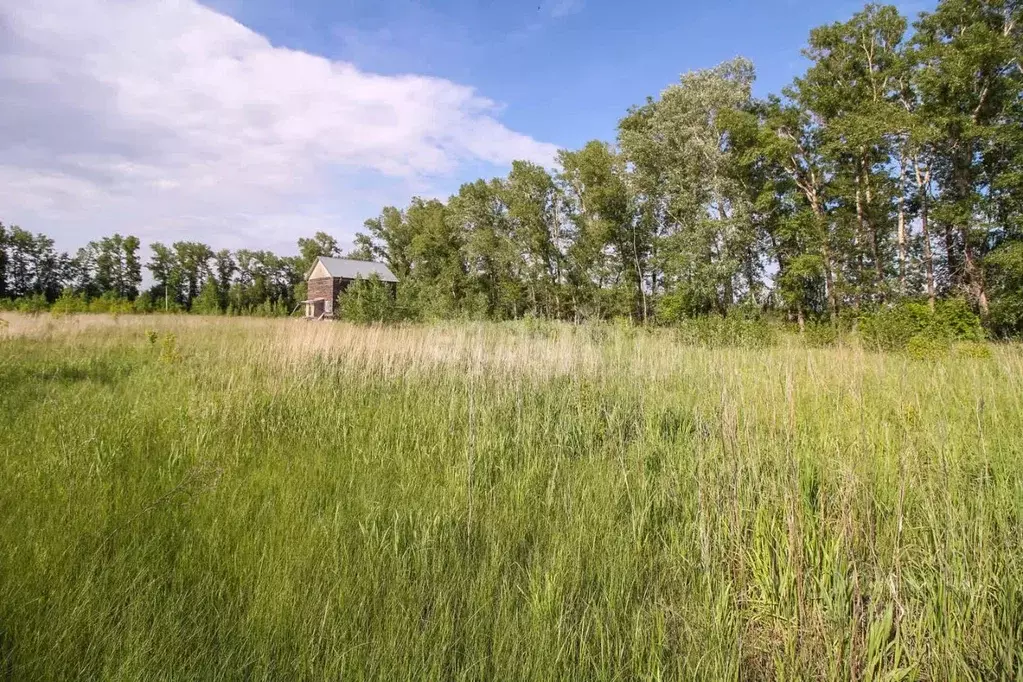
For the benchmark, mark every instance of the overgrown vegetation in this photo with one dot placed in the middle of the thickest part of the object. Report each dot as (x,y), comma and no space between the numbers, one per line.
(201,498)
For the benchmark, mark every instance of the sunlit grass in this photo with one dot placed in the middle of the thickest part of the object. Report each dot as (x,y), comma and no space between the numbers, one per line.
(285,500)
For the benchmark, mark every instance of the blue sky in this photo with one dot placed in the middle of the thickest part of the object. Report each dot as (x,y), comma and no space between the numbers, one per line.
(250,123)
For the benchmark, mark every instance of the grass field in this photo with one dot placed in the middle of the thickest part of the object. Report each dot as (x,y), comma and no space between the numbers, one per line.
(194,498)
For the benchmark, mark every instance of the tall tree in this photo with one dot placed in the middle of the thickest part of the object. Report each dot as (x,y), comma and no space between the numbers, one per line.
(3,261)
(970,86)
(321,244)
(687,186)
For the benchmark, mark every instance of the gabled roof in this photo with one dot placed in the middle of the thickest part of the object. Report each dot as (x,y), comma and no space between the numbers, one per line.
(346,268)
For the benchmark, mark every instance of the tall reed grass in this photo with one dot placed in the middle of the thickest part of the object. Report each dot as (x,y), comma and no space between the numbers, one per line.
(202,498)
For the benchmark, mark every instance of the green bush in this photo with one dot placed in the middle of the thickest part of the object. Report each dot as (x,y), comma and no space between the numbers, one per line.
(927,348)
(972,349)
(111,304)
(894,327)
(208,300)
(714,331)
(368,300)
(144,303)
(820,334)
(33,305)
(1005,278)
(69,303)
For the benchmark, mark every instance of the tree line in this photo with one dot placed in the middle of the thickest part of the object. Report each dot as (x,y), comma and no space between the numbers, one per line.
(890,171)
(106,275)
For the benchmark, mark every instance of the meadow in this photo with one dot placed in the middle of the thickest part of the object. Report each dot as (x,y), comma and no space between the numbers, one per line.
(190,498)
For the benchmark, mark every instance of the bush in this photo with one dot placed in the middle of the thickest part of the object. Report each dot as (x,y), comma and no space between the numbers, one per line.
(820,334)
(1005,277)
(208,300)
(927,348)
(972,349)
(732,331)
(69,303)
(368,300)
(33,305)
(111,304)
(893,328)
(144,303)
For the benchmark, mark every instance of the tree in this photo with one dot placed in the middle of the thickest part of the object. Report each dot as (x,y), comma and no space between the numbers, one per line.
(607,260)
(321,244)
(192,260)
(970,86)
(492,260)
(131,268)
(165,270)
(531,220)
(368,300)
(691,200)
(852,91)
(3,261)
(224,267)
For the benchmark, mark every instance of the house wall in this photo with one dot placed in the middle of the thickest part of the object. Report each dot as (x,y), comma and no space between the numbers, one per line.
(323,287)
(319,272)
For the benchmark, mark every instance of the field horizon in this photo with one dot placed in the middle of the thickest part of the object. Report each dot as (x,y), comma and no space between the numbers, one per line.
(196,497)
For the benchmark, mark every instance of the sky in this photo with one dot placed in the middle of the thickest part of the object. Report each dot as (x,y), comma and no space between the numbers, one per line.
(251,123)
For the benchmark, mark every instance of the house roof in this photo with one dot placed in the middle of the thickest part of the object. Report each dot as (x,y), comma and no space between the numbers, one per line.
(346,268)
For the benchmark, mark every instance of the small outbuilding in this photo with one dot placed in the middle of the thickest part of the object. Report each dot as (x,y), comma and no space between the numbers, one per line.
(330,276)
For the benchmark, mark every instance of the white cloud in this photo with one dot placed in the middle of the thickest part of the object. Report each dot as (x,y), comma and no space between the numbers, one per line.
(563,8)
(167,119)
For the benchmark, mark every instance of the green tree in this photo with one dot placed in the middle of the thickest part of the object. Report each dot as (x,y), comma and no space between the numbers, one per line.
(3,261)
(970,86)
(368,300)
(321,244)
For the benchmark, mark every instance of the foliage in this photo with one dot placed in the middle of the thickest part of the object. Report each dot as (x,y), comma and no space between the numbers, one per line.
(820,334)
(1005,274)
(368,300)
(715,331)
(893,328)
(208,301)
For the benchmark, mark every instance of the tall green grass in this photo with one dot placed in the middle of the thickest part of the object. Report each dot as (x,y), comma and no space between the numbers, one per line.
(279,500)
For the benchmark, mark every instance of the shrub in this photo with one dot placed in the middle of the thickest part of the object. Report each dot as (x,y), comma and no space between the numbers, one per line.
(892,328)
(820,334)
(69,303)
(972,349)
(169,349)
(144,303)
(927,348)
(33,305)
(368,300)
(538,327)
(732,331)
(208,300)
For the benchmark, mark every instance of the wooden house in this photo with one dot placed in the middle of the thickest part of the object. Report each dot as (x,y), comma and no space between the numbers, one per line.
(328,277)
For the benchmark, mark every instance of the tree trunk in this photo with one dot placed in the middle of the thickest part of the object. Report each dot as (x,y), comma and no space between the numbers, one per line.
(974,277)
(872,230)
(928,253)
(902,226)
(860,230)
(923,181)
(829,272)
(955,274)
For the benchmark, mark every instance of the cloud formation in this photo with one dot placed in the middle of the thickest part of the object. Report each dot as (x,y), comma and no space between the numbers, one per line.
(168,119)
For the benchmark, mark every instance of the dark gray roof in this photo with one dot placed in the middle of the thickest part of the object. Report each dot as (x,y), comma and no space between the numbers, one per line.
(353,269)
